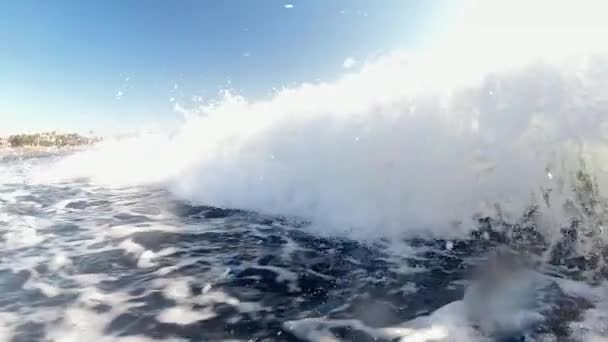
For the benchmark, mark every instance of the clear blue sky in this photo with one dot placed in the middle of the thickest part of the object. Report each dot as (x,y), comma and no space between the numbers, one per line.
(116,64)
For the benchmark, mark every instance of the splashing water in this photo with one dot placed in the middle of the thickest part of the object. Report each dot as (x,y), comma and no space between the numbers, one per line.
(454,194)
(383,152)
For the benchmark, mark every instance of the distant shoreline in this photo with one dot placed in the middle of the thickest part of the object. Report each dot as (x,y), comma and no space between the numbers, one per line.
(46,140)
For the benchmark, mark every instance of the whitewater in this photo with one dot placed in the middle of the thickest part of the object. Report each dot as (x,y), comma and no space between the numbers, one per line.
(455,193)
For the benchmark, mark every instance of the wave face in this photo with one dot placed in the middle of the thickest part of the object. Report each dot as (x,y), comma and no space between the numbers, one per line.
(404,146)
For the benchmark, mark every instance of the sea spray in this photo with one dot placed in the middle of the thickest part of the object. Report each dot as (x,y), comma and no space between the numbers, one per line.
(383,152)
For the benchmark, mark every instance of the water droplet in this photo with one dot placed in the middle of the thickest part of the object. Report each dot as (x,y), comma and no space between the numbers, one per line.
(449,245)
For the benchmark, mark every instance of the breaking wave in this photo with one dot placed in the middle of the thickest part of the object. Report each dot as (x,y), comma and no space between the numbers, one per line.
(491,123)
(391,149)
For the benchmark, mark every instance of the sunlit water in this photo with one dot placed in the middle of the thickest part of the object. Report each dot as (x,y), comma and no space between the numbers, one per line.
(79,262)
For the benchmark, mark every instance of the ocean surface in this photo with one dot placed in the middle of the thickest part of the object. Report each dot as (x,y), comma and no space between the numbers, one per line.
(413,199)
(85,262)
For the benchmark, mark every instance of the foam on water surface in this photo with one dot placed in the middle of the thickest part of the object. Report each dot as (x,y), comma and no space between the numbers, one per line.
(135,264)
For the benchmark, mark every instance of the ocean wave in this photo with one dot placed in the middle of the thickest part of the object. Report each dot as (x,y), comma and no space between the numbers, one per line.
(384,151)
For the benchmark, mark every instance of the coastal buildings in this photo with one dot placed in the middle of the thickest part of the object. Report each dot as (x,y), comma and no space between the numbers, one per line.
(46,139)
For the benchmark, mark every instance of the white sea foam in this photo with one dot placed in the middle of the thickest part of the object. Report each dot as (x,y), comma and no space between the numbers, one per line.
(6,321)
(594,324)
(409,143)
(371,155)
(185,315)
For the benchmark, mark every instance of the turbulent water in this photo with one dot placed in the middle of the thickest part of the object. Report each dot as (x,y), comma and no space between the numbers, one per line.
(81,261)
(411,200)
